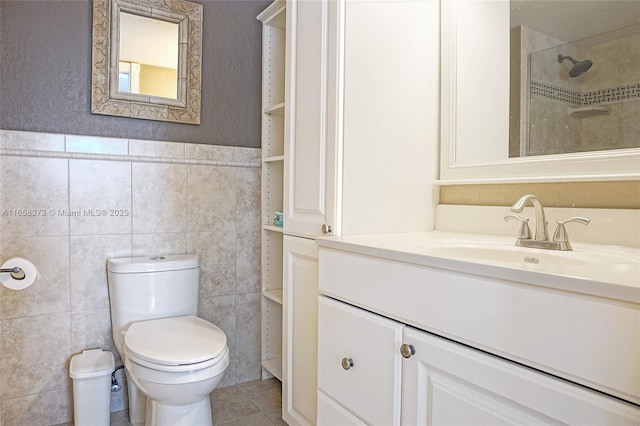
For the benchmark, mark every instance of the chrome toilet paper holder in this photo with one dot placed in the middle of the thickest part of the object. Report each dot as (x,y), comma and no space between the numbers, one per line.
(16,273)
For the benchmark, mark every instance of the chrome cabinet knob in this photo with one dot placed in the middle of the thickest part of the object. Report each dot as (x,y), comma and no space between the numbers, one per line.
(326,229)
(347,363)
(407,350)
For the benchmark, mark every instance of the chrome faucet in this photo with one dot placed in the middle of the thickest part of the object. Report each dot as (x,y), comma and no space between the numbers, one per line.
(542,234)
(541,239)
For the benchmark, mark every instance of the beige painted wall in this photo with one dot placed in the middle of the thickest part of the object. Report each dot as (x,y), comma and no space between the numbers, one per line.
(619,195)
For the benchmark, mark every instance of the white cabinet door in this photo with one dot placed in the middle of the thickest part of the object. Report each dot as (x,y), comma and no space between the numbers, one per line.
(309,146)
(361,126)
(300,323)
(359,361)
(331,413)
(445,383)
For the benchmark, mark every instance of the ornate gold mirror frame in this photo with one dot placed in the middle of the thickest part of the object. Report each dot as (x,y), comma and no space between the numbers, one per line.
(105,97)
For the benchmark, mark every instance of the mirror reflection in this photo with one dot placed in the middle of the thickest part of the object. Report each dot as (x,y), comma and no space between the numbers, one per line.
(148,56)
(575,76)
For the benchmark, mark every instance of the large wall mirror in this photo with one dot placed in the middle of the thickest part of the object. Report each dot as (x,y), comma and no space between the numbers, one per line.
(147,59)
(537,90)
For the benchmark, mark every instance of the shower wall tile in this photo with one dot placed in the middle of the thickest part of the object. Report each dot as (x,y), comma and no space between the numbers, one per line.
(10,139)
(96,145)
(159,244)
(99,205)
(50,293)
(35,190)
(211,202)
(629,122)
(89,255)
(601,132)
(35,354)
(159,202)
(217,261)
(545,67)
(611,81)
(146,148)
(604,73)
(629,61)
(46,408)
(558,134)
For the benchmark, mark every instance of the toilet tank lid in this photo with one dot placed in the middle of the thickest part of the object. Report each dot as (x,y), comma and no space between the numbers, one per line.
(132,265)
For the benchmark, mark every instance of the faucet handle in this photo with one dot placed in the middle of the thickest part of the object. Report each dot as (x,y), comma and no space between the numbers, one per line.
(525,231)
(561,232)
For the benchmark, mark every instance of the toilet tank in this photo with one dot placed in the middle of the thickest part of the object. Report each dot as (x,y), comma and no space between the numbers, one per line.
(142,288)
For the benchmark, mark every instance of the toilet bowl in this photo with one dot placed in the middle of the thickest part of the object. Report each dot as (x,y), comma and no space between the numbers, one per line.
(176,363)
(172,358)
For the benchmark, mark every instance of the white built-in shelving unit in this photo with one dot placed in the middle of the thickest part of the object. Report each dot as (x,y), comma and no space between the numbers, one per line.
(273,21)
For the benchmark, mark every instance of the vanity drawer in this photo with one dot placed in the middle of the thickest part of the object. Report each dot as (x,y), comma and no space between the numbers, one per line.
(547,329)
(359,361)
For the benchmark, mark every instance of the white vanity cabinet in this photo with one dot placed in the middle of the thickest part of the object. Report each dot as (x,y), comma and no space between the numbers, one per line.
(374,308)
(363,379)
(361,125)
(361,133)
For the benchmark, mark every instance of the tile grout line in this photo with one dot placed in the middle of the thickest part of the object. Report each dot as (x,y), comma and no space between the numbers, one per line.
(70,289)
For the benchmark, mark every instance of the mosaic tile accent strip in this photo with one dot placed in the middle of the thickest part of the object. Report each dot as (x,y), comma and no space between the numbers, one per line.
(622,93)
(555,93)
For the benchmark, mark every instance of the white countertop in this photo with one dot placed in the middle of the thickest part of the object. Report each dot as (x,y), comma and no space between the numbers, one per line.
(592,269)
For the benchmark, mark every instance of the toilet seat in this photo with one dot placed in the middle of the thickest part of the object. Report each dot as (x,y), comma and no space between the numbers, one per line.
(175,344)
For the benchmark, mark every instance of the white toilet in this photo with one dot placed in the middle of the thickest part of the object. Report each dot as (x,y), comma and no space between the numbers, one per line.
(173,359)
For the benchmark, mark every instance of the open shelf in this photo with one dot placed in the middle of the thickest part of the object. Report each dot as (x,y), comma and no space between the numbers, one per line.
(277,109)
(273,159)
(275,295)
(274,15)
(273,20)
(272,228)
(273,366)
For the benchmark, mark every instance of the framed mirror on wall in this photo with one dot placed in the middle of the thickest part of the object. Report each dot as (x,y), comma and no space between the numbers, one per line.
(540,90)
(146,59)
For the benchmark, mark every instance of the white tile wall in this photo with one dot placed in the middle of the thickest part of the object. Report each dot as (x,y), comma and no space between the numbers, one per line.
(160,198)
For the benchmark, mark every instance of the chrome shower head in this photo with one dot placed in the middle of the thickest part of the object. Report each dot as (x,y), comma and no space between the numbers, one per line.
(579,67)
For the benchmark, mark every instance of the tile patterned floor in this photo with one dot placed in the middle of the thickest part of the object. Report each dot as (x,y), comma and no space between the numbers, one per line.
(256,403)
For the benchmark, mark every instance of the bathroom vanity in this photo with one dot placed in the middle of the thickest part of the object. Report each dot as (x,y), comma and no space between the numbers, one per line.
(411,333)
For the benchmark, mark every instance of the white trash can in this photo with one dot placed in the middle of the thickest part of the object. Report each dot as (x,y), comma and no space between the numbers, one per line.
(91,371)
